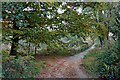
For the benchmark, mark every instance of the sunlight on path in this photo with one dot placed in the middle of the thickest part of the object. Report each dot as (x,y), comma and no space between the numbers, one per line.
(69,67)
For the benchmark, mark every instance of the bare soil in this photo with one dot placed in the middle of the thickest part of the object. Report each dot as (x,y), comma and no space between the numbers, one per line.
(65,67)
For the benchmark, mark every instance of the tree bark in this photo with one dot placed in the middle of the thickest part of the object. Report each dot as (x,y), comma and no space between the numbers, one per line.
(118,41)
(15,40)
(29,48)
(35,50)
(14,45)
(107,42)
(101,41)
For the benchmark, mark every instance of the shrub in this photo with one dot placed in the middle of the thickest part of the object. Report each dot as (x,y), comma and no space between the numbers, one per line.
(90,62)
(22,67)
(103,62)
(109,66)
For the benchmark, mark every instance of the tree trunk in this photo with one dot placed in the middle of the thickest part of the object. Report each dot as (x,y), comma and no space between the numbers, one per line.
(118,41)
(107,42)
(15,40)
(29,48)
(14,45)
(35,50)
(101,41)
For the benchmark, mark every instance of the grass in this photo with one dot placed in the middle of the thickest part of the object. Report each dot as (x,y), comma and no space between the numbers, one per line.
(39,64)
(89,61)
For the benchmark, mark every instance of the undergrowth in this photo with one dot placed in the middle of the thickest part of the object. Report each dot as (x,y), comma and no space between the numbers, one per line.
(103,63)
(21,67)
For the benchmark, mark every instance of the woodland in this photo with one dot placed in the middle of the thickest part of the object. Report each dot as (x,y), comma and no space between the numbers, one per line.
(35,33)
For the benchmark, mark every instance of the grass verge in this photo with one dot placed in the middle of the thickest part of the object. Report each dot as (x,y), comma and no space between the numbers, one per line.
(89,61)
(103,63)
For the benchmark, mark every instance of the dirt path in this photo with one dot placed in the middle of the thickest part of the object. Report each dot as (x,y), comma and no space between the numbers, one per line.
(69,67)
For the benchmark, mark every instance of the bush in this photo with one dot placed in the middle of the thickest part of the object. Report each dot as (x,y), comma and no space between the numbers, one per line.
(90,62)
(103,62)
(22,67)
(109,67)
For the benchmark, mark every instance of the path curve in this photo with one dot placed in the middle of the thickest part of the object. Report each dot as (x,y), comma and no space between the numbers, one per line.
(69,67)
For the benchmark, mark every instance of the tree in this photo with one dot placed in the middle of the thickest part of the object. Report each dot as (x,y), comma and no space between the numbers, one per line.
(33,24)
(20,24)
(110,19)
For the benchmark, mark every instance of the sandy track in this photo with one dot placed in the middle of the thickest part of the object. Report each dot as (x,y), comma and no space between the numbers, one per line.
(69,67)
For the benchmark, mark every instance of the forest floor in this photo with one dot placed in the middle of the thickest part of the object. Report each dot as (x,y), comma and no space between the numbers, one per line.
(67,67)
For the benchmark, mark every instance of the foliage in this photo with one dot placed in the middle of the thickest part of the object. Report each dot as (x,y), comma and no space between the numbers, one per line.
(111,19)
(66,51)
(83,48)
(103,63)
(22,67)
(90,62)
(35,27)
(20,26)
(109,67)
